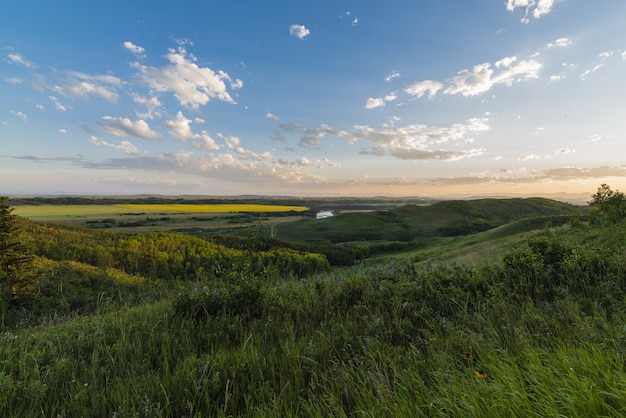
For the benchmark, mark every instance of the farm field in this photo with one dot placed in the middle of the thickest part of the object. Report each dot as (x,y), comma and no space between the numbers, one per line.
(161,217)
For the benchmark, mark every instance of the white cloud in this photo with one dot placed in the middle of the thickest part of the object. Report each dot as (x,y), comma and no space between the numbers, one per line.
(13,80)
(539,7)
(483,76)
(62,131)
(272,117)
(204,142)
(415,142)
(137,50)
(534,157)
(587,73)
(299,31)
(624,56)
(560,43)
(392,76)
(57,104)
(20,115)
(355,21)
(191,84)
(16,58)
(125,127)
(40,107)
(126,147)
(180,128)
(565,151)
(152,104)
(606,54)
(380,101)
(372,103)
(419,88)
(83,86)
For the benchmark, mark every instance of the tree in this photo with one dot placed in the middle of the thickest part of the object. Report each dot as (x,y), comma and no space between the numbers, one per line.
(15,256)
(607,206)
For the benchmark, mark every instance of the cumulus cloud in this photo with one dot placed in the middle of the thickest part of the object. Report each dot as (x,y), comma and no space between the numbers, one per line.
(480,79)
(307,137)
(137,50)
(419,88)
(299,31)
(415,142)
(180,128)
(372,103)
(536,8)
(483,76)
(560,43)
(191,84)
(272,117)
(126,147)
(82,86)
(125,127)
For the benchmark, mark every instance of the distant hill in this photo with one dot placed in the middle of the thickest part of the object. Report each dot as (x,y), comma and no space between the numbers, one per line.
(410,222)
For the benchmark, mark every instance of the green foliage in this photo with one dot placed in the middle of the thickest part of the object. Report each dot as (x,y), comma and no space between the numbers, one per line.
(15,256)
(269,331)
(607,206)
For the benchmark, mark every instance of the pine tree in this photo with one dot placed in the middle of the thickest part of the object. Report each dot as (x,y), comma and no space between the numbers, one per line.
(15,255)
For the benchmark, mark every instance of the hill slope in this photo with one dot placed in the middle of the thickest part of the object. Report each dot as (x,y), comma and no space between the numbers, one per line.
(410,222)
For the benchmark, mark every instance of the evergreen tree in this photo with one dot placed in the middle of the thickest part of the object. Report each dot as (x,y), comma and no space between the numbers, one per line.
(14,253)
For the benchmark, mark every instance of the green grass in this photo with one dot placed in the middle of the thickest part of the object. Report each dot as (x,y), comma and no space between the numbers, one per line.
(513,321)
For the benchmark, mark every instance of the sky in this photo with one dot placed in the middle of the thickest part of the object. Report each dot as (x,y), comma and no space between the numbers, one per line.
(312,98)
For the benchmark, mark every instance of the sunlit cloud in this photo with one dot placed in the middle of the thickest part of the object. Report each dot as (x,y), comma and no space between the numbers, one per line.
(125,127)
(420,142)
(192,85)
(299,31)
(536,8)
(125,146)
(560,43)
(372,103)
(79,85)
(534,157)
(484,76)
(419,88)
(137,50)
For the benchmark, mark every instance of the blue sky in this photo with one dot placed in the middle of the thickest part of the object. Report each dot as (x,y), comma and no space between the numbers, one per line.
(309,98)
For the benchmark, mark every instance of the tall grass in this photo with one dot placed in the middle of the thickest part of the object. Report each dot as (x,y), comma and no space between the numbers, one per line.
(384,341)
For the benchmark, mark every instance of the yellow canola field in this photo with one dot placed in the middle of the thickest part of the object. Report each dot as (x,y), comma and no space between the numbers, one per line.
(213,208)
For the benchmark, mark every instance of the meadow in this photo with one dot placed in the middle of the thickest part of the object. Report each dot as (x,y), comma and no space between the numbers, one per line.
(523,319)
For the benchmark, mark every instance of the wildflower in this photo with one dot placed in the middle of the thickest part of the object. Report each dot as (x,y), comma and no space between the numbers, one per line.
(469,356)
(480,374)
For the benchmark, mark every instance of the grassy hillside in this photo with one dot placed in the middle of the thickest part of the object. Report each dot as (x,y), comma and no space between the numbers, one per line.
(521,319)
(412,222)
